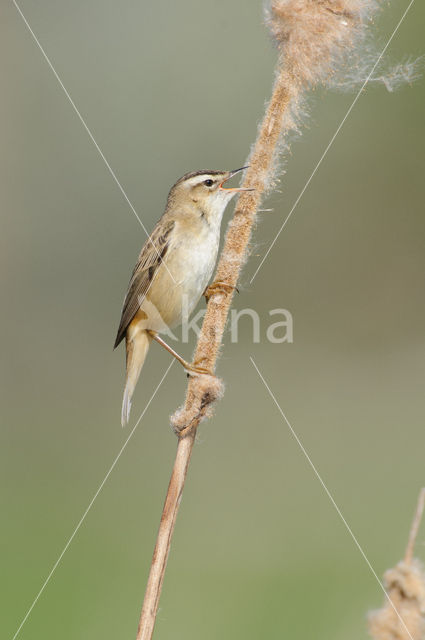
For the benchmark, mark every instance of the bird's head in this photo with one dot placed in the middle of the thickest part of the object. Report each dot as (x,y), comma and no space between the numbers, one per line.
(205,191)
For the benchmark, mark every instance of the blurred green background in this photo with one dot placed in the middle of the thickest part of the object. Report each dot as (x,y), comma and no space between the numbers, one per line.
(259,550)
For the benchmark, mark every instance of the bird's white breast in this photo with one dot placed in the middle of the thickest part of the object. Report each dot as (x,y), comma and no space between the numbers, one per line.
(182,279)
(195,261)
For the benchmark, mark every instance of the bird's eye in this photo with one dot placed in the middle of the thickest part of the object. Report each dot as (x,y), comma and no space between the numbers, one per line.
(209,182)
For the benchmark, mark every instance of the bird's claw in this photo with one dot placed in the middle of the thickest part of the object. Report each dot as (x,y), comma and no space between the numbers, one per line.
(193,370)
(218,287)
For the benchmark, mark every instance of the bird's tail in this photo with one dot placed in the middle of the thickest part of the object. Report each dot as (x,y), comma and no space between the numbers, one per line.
(137,345)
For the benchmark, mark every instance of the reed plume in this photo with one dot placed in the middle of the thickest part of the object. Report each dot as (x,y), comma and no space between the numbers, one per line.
(402,616)
(314,38)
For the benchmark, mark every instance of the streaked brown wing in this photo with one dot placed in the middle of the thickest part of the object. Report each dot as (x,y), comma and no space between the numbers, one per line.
(149,260)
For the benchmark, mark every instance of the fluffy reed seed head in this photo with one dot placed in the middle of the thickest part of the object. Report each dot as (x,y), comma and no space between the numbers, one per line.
(327,41)
(405,585)
(314,36)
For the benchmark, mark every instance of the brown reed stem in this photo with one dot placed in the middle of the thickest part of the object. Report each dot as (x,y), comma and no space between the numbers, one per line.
(198,395)
(162,547)
(408,557)
(310,35)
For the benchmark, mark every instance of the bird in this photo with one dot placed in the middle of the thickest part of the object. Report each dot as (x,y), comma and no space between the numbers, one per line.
(173,270)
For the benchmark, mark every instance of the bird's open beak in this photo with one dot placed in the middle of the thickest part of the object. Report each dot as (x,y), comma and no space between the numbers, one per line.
(232,173)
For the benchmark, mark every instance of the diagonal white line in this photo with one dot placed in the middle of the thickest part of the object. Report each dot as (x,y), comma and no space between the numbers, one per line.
(328,493)
(332,140)
(83,122)
(45,583)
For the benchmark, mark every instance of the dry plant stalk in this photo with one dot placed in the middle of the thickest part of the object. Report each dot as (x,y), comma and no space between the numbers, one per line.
(313,38)
(403,615)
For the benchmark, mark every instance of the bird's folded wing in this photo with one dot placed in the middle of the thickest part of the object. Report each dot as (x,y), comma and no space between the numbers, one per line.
(150,259)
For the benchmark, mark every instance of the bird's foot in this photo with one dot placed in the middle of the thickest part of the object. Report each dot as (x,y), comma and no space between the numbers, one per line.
(194,369)
(218,287)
